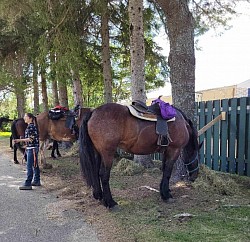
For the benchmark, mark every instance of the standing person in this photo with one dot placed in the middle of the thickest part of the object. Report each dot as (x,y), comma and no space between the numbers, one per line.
(32,141)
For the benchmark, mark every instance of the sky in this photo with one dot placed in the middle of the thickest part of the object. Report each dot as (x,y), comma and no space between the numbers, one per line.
(224,60)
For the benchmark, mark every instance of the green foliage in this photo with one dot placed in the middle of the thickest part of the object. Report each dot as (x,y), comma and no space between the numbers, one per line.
(34,31)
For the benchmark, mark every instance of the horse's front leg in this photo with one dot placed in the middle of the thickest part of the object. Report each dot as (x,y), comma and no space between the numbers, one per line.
(15,154)
(108,200)
(43,145)
(168,161)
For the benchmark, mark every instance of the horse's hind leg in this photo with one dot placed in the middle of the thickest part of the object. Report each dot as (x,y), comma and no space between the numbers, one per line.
(108,200)
(55,148)
(97,190)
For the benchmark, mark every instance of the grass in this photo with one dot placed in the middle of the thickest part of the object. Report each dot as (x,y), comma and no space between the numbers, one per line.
(146,221)
(4,135)
(218,204)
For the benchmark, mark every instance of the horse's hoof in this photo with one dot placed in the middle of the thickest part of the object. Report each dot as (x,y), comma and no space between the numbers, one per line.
(169,200)
(110,204)
(116,208)
(47,166)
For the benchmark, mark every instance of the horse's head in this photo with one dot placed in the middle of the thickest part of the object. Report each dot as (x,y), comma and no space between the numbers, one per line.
(193,165)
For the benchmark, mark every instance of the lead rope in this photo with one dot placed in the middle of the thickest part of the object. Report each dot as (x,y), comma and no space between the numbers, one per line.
(35,160)
(198,166)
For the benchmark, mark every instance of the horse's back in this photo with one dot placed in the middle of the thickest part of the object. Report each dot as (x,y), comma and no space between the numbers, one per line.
(108,124)
(109,117)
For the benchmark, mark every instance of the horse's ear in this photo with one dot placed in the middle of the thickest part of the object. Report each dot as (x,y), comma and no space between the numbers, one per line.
(200,145)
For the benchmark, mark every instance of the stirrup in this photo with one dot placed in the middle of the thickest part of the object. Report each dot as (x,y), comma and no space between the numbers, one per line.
(161,139)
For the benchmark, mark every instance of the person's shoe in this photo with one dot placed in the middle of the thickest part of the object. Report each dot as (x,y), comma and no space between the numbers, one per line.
(25,187)
(36,184)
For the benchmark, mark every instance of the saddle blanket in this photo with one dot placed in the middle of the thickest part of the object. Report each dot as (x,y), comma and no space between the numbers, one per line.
(145,116)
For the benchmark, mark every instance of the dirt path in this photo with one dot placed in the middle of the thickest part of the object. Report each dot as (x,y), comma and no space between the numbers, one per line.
(36,215)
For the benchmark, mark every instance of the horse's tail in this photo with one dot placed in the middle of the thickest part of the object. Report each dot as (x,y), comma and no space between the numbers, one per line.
(89,158)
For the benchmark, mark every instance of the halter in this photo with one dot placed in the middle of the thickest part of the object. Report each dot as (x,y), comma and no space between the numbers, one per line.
(198,166)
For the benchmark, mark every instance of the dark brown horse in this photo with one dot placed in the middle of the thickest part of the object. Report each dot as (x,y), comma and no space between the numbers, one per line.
(56,129)
(18,127)
(4,120)
(111,125)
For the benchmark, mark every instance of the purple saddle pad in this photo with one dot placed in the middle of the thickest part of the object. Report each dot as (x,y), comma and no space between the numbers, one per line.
(167,110)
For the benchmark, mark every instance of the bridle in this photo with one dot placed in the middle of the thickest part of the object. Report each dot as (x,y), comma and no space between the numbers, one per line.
(195,169)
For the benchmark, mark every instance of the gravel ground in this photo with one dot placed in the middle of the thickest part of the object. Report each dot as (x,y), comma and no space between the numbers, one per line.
(36,215)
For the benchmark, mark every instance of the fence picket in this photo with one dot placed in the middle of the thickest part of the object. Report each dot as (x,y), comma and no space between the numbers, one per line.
(224,137)
(241,135)
(216,135)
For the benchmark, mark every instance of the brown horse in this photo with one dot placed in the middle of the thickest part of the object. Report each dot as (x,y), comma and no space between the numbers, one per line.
(56,129)
(111,125)
(18,127)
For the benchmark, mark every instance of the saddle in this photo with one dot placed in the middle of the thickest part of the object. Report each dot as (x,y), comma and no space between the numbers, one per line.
(71,116)
(153,113)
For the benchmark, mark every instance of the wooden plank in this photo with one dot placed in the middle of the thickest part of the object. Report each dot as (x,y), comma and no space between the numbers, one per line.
(232,135)
(216,136)
(247,146)
(201,123)
(210,124)
(241,135)
(208,151)
(224,138)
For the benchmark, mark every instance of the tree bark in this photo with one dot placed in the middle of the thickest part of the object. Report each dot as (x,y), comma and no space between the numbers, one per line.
(54,80)
(63,94)
(19,89)
(44,92)
(55,92)
(181,60)
(180,26)
(77,89)
(106,64)
(137,50)
(137,54)
(35,88)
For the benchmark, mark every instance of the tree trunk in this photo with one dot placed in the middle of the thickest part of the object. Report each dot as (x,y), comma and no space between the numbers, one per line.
(137,54)
(180,26)
(63,94)
(20,97)
(19,89)
(54,80)
(36,88)
(106,64)
(137,50)
(55,92)
(44,92)
(77,89)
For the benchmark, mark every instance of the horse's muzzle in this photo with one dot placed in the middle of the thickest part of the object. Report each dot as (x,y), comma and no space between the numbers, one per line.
(193,176)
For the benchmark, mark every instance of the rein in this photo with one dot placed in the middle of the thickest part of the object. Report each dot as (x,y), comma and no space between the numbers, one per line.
(198,166)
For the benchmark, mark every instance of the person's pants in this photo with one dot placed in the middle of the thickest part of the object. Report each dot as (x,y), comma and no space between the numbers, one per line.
(32,166)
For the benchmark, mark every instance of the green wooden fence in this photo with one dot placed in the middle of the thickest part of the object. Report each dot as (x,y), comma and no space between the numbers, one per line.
(227,143)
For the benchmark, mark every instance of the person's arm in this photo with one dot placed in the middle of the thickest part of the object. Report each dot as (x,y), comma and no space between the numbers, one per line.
(21,140)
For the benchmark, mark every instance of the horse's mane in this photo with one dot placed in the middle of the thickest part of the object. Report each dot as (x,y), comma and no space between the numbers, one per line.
(194,134)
